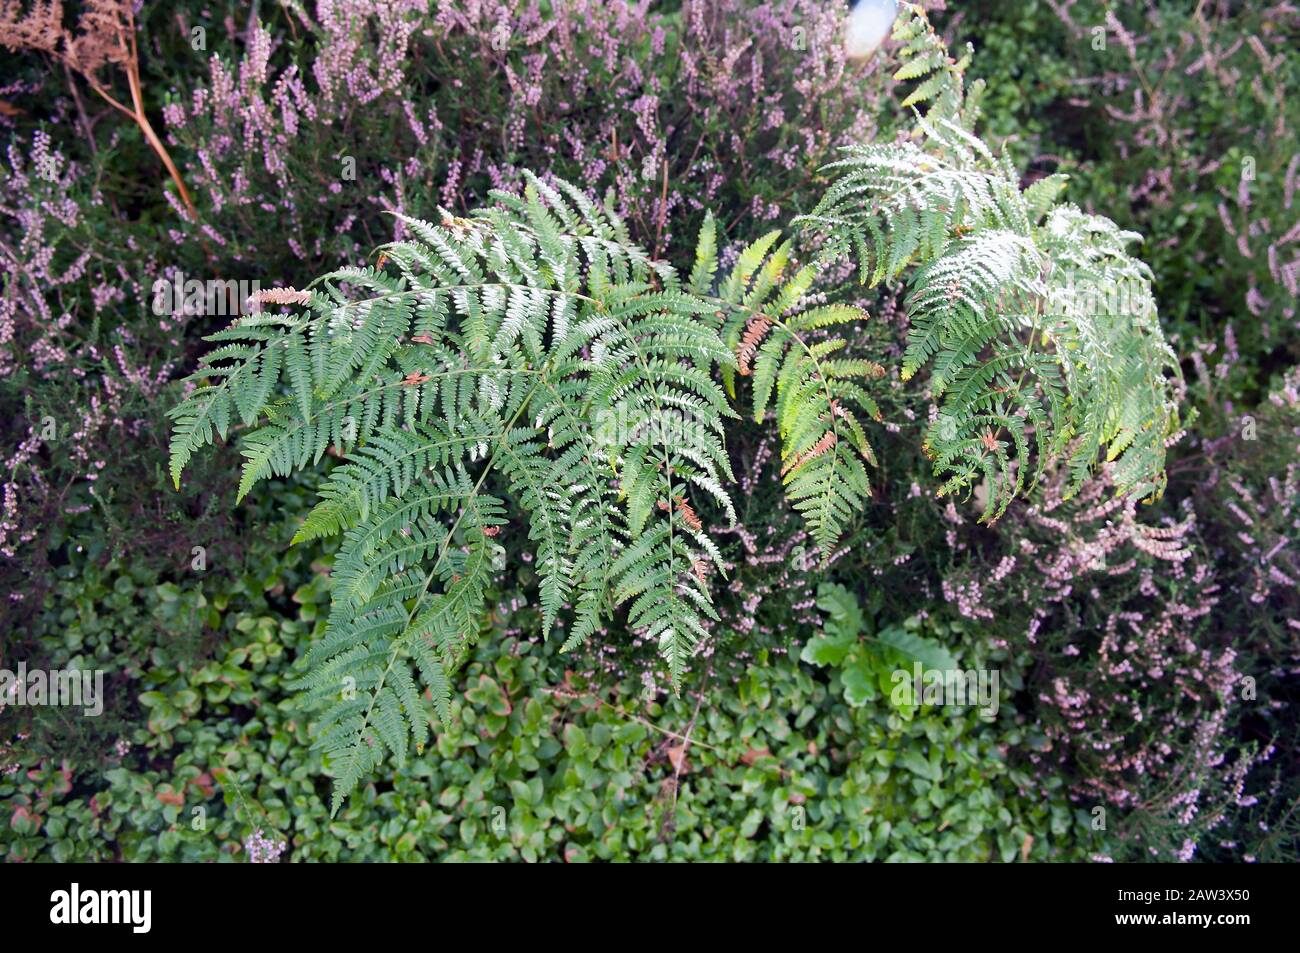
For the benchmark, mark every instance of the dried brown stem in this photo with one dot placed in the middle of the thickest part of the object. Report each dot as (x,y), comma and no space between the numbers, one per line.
(86,54)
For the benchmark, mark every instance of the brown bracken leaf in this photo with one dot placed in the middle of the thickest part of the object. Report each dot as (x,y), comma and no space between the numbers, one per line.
(677,758)
(755,331)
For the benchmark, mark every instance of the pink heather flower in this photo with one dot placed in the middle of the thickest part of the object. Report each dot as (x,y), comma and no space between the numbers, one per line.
(262,849)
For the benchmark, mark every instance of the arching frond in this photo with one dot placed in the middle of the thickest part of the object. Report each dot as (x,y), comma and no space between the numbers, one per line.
(1037,326)
(530,348)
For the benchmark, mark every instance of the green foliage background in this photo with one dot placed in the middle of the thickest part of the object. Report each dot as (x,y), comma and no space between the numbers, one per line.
(796,752)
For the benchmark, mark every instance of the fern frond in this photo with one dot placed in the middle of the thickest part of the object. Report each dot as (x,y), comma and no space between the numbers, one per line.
(1029,372)
(531,348)
(924,56)
(780,341)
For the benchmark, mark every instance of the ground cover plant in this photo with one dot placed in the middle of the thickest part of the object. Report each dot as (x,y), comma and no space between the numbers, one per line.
(629,431)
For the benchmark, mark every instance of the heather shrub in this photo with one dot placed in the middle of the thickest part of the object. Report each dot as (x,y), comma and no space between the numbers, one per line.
(1177,120)
(1248,478)
(1137,689)
(61,413)
(299,147)
(1251,478)
(85,360)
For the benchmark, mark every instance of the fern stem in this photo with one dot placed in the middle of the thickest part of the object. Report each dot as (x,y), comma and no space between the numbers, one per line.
(560,292)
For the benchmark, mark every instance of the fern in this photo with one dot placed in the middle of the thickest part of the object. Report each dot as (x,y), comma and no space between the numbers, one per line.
(483,351)
(817,395)
(524,362)
(1028,368)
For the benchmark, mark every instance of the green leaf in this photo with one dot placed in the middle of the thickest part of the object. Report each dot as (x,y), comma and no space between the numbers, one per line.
(915,762)
(859,681)
(929,652)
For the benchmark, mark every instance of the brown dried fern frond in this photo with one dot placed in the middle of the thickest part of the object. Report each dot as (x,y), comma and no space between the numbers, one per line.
(755,331)
(104,36)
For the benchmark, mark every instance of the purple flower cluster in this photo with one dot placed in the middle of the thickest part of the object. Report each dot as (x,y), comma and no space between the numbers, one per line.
(262,849)
(668,113)
(61,284)
(1134,689)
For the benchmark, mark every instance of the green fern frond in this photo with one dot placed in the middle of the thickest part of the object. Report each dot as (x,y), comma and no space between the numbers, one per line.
(530,348)
(1029,372)
(817,397)
(924,56)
